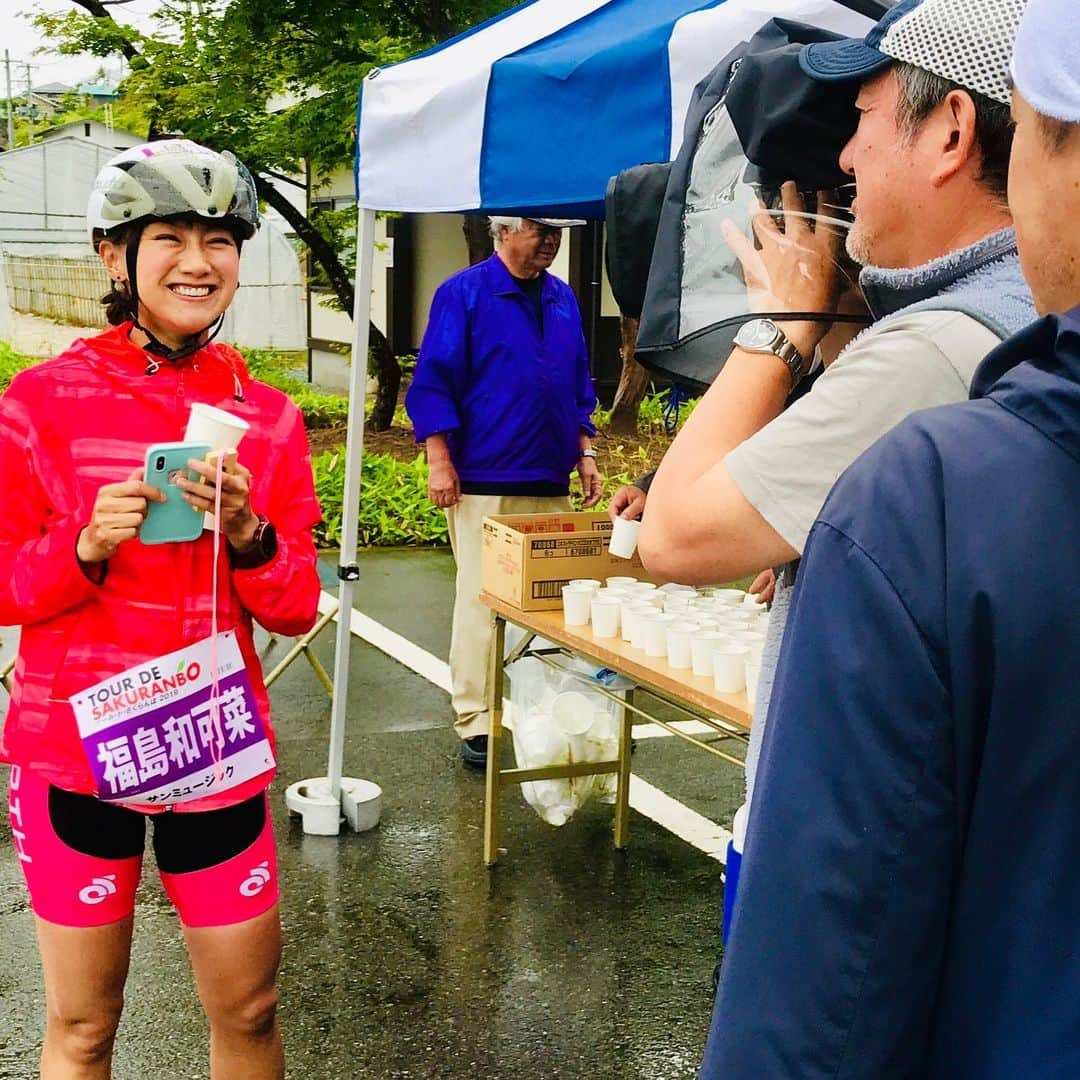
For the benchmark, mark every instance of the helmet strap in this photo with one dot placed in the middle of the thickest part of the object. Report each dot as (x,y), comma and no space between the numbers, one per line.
(154,345)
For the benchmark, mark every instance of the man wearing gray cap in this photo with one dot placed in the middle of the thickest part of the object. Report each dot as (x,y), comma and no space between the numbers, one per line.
(910,906)
(502,400)
(744,480)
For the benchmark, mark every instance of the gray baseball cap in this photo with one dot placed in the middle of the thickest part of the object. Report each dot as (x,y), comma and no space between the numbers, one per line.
(968,42)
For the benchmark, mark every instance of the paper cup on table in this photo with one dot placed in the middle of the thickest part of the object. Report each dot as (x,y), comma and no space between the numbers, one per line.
(677,603)
(675,587)
(587,582)
(679,636)
(605,616)
(216,428)
(617,580)
(703,644)
(751,602)
(753,670)
(624,534)
(729,668)
(576,600)
(645,586)
(735,617)
(637,627)
(629,616)
(656,633)
(728,597)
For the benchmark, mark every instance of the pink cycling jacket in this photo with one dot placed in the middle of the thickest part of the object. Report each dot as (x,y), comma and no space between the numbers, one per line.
(67,427)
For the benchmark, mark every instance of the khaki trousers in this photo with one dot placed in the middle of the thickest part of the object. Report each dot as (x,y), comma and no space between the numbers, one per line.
(473,626)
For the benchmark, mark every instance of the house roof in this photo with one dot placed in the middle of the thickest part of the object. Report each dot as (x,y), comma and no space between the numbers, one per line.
(52,88)
(98,89)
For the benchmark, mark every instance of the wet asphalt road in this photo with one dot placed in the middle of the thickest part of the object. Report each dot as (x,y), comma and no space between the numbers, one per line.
(405,956)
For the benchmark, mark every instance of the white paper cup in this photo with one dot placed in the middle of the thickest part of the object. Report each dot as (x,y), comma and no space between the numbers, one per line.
(750,602)
(737,618)
(753,670)
(573,714)
(624,534)
(675,587)
(630,613)
(592,583)
(645,586)
(679,636)
(576,601)
(729,668)
(605,616)
(703,644)
(728,597)
(217,428)
(677,603)
(637,628)
(656,627)
(613,582)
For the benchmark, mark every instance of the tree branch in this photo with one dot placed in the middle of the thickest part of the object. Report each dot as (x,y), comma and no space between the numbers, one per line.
(99,9)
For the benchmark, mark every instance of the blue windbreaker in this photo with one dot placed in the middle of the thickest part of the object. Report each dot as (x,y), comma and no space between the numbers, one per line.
(909,904)
(512,400)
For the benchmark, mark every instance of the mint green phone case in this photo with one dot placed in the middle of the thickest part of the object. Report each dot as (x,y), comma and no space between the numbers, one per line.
(173,521)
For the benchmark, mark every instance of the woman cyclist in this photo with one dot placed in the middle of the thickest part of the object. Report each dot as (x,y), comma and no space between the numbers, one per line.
(135,697)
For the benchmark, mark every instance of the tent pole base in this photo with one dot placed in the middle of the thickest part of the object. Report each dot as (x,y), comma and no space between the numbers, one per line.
(359,805)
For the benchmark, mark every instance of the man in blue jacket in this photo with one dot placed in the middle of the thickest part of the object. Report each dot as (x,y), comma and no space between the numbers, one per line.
(909,899)
(503,400)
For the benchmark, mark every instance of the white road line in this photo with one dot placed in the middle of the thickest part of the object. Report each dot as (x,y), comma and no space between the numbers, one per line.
(707,836)
(697,830)
(394,645)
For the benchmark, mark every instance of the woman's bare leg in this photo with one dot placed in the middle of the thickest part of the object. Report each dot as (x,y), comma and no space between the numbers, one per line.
(85,970)
(236,976)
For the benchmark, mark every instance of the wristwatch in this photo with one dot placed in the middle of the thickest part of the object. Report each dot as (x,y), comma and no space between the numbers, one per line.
(587,452)
(764,336)
(260,551)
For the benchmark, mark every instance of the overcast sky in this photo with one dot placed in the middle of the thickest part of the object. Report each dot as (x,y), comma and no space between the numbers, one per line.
(21,39)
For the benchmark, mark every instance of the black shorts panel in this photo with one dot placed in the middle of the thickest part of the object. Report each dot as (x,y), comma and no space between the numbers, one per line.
(183,843)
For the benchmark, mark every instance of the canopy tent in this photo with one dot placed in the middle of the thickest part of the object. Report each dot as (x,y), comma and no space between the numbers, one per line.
(531,112)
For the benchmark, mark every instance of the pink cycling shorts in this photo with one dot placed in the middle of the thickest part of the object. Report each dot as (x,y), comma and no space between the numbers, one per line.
(82,857)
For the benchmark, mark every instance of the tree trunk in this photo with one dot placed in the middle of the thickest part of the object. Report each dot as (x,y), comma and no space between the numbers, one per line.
(632,382)
(478,239)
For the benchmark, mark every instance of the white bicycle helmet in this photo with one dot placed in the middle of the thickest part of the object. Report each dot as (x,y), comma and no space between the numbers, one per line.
(173,176)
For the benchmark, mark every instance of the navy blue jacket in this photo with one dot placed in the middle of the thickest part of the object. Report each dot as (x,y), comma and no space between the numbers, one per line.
(909,904)
(513,400)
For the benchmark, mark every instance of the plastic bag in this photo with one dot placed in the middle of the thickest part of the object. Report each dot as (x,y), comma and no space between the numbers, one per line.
(557,720)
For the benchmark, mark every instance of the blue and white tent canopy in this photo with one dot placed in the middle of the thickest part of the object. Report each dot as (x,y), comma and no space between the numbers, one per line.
(536,109)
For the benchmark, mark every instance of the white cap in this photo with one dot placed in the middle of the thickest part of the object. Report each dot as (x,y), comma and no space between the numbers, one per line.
(1046,62)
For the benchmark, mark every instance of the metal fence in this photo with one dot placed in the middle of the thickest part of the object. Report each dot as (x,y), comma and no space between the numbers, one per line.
(68,290)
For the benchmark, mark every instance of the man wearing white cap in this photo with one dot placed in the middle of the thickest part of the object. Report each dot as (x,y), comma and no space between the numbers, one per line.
(502,400)
(910,909)
(744,480)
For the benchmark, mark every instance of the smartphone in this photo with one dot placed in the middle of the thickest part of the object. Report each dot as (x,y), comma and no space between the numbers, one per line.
(173,521)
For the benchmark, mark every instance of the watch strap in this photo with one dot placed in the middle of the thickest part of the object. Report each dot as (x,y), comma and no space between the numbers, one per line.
(260,551)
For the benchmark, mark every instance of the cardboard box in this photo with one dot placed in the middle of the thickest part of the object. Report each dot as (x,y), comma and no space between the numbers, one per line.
(528,558)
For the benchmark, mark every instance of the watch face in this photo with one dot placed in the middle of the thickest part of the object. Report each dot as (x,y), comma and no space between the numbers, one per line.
(756,334)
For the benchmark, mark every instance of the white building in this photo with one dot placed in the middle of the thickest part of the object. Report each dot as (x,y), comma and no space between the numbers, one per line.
(51,271)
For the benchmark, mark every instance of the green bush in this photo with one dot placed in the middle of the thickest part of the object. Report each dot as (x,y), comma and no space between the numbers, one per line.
(320,409)
(11,363)
(650,413)
(394,507)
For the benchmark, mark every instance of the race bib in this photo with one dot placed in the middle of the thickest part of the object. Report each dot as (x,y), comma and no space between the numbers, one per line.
(150,736)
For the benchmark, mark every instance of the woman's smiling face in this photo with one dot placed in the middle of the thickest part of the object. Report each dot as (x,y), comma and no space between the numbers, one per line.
(187,275)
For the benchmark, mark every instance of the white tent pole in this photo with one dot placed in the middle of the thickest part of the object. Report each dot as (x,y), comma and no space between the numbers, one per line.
(350,506)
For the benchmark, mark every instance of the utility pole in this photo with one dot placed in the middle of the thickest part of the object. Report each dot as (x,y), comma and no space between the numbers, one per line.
(10,105)
(29,106)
